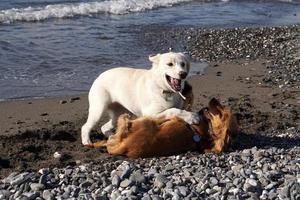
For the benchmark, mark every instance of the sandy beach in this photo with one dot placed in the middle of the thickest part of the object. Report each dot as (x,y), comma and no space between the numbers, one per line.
(268,112)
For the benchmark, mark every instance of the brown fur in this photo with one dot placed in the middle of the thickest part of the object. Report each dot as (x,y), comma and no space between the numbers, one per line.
(144,137)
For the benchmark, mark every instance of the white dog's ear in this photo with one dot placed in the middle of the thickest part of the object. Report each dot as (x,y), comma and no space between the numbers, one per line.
(154,59)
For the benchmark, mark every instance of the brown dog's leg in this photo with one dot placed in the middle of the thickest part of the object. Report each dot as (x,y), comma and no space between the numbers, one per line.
(99,144)
(161,120)
(124,125)
(116,149)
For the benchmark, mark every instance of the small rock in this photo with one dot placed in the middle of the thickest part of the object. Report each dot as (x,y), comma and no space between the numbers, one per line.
(85,184)
(74,99)
(108,189)
(62,101)
(125,183)
(37,186)
(4,194)
(21,178)
(116,180)
(183,190)
(134,189)
(213,181)
(31,195)
(137,177)
(160,181)
(57,155)
(234,191)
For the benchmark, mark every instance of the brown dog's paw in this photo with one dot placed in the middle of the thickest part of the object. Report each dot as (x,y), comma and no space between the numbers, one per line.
(89,146)
(124,122)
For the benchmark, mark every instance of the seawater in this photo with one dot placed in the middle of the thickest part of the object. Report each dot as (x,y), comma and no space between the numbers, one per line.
(58,47)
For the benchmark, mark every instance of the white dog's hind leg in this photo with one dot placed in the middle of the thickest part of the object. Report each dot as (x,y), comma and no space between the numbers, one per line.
(107,128)
(114,111)
(98,101)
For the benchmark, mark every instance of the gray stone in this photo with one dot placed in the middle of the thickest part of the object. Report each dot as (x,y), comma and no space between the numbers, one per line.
(234,191)
(37,186)
(183,190)
(43,179)
(169,184)
(272,195)
(125,183)
(116,180)
(126,172)
(31,195)
(16,195)
(100,197)
(137,177)
(8,179)
(152,172)
(108,189)
(269,186)
(186,173)
(146,197)
(134,189)
(169,167)
(21,178)
(160,181)
(155,197)
(85,184)
(4,194)
(213,181)
(251,185)
(236,169)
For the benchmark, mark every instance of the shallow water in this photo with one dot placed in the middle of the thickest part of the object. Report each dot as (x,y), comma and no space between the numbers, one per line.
(57,47)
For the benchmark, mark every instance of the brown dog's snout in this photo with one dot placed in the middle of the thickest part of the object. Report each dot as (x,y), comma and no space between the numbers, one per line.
(182,74)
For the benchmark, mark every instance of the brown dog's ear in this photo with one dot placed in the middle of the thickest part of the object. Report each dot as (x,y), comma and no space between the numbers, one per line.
(215,107)
(154,59)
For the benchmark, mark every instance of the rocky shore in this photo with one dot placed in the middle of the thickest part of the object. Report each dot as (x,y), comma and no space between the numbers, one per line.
(254,70)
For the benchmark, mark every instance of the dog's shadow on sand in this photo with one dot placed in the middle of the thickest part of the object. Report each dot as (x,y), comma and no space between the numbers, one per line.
(247,141)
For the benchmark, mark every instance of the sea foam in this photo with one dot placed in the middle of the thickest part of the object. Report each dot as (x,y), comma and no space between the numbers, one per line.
(118,7)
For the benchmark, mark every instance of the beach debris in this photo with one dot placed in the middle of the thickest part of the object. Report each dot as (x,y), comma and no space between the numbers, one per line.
(74,99)
(57,155)
(62,101)
(44,114)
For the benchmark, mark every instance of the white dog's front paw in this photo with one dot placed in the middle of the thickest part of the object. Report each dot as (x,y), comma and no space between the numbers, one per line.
(86,141)
(85,136)
(191,118)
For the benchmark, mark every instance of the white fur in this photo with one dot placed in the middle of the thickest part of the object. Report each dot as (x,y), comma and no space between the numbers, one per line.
(137,91)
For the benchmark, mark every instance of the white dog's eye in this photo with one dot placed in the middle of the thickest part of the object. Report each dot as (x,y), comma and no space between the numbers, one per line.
(170,64)
(182,64)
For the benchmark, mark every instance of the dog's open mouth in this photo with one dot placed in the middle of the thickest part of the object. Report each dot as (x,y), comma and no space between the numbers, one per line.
(174,83)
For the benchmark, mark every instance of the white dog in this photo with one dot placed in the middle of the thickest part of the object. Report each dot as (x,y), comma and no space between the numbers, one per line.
(154,92)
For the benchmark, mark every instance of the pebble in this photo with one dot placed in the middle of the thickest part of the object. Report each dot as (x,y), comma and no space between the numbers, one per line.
(125,183)
(116,180)
(160,181)
(57,155)
(37,186)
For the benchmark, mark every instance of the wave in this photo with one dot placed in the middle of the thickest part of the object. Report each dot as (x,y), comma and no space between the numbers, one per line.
(118,7)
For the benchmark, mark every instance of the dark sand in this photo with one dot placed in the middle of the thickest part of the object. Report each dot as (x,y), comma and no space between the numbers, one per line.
(32,130)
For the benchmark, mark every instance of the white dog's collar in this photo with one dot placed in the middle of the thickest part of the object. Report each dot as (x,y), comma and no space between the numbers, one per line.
(168,95)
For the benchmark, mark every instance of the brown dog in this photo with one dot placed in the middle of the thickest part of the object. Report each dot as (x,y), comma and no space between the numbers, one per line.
(144,137)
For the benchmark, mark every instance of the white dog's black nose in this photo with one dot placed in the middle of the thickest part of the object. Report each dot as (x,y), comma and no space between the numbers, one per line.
(182,75)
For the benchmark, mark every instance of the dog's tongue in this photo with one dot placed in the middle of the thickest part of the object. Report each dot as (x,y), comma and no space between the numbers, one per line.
(176,83)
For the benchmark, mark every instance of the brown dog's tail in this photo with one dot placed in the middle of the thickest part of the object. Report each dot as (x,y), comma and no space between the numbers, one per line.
(99,144)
